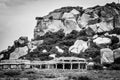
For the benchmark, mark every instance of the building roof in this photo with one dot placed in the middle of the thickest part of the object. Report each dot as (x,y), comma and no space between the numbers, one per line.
(15,61)
(69,58)
(55,60)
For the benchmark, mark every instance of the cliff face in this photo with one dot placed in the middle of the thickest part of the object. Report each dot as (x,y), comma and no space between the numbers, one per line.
(98,18)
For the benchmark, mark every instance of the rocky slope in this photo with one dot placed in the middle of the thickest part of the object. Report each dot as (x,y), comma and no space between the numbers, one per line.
(72,31)
(98,18)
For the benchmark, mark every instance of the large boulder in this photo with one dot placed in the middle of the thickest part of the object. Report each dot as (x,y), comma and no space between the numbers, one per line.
(102,40)
(116,53)
(107,56)
(1,56)
(86,17)
(59,49)
(19,52)
(21,42)
(33,44)
(78,47)
(101,27)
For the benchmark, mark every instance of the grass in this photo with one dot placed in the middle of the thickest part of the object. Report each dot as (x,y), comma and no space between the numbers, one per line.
(66,75)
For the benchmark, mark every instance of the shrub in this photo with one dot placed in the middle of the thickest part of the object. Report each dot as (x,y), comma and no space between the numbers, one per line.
(115,46)
(78,78)
(115,31)
(98,67)
(12,73)
(84,38)
(92,52)
(117,60)
(30,72)
(114,67)
(83,78)
(114,40)
(67,42)
(82,33)
(50,76)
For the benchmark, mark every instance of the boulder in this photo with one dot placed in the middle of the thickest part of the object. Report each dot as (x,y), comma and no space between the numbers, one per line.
(19,52)
(68,16)
(87,16)
(78,47)
(52,55)
(101,27)
(70,22)
(33,44)
(75,12)
(1,56)
(23,40)
(44,51)
(107,56)
(59,49)
(71,25)
(54,26)
(102,40)
(116,53)
(37,42)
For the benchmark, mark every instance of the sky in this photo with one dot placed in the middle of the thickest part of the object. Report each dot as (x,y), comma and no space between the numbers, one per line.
(17,17)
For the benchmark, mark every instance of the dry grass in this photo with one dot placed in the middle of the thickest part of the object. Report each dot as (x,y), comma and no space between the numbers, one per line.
(70,75)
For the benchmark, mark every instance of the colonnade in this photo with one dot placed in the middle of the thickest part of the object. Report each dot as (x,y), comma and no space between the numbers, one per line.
(68,65)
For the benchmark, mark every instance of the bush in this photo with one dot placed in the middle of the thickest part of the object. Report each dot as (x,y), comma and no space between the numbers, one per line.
(117,61)
(82,33)
(83,78)
(98,67)
(84,38)
(12,73)
(92,52)
(67,42)
(114,67)
(30,72)
(115,31)
(50,76)
(78,78)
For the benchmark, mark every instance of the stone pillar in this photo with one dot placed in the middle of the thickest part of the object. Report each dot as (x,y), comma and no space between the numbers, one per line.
(85,65)
(48,66)
(71,66)
(79,66)
(55,66)
(39,66)
(63,66)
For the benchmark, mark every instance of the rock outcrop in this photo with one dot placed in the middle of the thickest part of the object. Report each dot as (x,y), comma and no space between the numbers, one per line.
(17,50)
(107,56)
(98,18)
(78,47)
(20,51)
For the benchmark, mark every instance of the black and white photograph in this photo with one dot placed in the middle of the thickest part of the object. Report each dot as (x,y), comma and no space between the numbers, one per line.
(59,39)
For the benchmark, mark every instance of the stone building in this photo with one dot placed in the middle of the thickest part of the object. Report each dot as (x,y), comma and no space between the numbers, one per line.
(57,63)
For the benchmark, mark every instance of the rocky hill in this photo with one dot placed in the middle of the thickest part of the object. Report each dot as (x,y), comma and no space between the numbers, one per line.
(92,33)
(98,18)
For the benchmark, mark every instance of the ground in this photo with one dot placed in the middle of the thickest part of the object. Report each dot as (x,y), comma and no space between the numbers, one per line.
(62,75)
